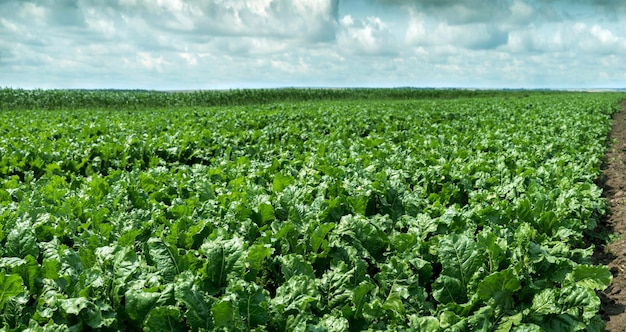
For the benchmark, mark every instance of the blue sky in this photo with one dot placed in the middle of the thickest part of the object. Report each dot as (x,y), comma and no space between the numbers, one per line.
(222,44)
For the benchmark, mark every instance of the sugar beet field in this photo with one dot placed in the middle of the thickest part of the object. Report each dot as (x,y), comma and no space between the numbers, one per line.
(302,210)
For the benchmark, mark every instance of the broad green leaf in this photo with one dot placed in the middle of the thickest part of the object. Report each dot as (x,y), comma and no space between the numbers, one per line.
(281,182)
(597,324)
(295,265)
(266,211)
(507,323)
(591,276)
(495,248)
(500,286)
(562,322)
(393,303)
(545,303)
(74,305)
(140,302)
(481,319)
(257,255)
(167,318)
(27,268)
(448,318)
(460,257)
(402,242)
(165,258)
(425,323)
(10,285)
(574,298)
(330,323)
(253,303)
(198,304)
(318,235)
(223,258)
(527,328)
(13,310)
(337,286)
(125,261)
(363,234)
(21,241)
(297,294)
(88,311)
(448,289)
(225,314)
(128,238)
(360,296)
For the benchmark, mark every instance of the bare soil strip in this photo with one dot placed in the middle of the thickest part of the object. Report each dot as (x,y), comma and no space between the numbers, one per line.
(614,253)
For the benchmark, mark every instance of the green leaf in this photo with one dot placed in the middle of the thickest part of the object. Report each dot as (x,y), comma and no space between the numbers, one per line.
(253,303)
(281,182)
(125,261)
(257,255)
(14,310)
(168,318)
(448,289)
(86,310)
(592,276)
(461,258)
(500,286)
(198,305)
(364,234)
(165,258)
(563,322)
(481,319)
(223,258)
(360,296)
(27,268)
(297,294)
(597,324)
(528,328)
(448,318)
(318,235)
(225,314)
(425,323)
(294,264)
(574,298)
(545,303)
(506,323)
(496,251)
(140,302)
(393,303)
(266,211)
(75,305)
(330,323)
(10,285)
(21,241)
(125,266)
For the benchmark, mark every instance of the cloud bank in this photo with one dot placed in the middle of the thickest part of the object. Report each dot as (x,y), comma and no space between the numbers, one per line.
(206,44)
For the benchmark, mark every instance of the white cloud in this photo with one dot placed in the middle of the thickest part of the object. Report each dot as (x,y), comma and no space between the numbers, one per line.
(191,44)
(576,37)
(522,13)
(306,20)
(456,12)
(471,36)
(290,67)
(370,36)
(151,62)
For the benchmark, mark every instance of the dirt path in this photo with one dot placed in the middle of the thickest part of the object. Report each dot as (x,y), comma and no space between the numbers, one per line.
(614,253)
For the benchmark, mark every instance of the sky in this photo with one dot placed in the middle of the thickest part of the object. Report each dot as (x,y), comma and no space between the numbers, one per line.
(228,44)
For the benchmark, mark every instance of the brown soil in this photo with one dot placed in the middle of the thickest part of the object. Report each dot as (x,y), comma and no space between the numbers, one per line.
(613,253)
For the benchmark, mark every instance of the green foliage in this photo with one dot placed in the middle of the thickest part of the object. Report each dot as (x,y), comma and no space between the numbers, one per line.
(19,99)
(401,212)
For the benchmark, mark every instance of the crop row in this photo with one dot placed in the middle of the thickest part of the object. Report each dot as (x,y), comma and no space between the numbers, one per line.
(19,99)
(432,215)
